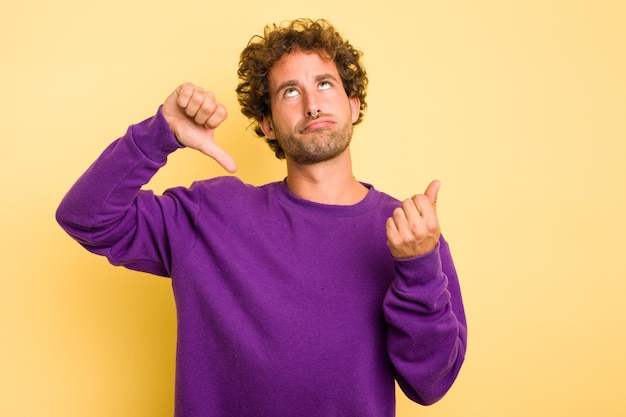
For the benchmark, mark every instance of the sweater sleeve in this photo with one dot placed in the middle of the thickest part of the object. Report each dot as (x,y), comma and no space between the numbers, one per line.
(427,330)
(107,212)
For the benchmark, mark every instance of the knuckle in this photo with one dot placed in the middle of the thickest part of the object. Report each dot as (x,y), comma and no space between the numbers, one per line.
(420,198)
(417,229)
(431,221)
(389,223)
(183,88)
(220,111)
(198,97)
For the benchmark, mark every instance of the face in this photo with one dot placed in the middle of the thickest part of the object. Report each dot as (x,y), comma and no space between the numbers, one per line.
(302,84)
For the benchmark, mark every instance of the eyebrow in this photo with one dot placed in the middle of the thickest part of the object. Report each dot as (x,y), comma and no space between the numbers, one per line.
(293,83)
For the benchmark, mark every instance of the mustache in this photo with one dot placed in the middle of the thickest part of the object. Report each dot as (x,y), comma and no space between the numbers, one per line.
(302,125)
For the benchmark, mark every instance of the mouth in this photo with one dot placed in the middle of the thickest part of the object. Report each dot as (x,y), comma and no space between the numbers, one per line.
(317,124)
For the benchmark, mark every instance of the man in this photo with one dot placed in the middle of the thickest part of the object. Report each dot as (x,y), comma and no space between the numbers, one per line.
(304,297)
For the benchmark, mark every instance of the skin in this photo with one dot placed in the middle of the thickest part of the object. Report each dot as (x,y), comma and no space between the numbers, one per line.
(317,150)
(302,85)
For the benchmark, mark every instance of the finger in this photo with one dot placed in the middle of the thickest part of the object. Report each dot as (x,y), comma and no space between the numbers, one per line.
(201,106)
(210,113)
(399,218)
(432,191)
(197,100)
(407,222)
(392,234)
(219,155)
(391,228)
(184,93)
(215,117)
(423,206)
(411,210)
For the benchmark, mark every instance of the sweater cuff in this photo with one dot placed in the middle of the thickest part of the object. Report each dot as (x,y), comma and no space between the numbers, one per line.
(154,137)
(419,271)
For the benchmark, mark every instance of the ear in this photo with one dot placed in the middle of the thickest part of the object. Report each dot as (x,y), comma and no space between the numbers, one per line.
(355,107)
(267,127)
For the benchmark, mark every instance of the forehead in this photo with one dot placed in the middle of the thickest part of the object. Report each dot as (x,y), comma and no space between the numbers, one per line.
(301,66)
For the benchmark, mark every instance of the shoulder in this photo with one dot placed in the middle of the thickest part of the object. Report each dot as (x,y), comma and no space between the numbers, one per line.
(218,188)
(219,198)
(385,202)
(229,191)
(220,183)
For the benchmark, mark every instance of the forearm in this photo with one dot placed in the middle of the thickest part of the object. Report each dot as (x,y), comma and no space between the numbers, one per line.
(426,325)
(105,193)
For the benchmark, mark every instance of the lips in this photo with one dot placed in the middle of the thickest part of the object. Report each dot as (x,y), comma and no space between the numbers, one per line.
(317,124)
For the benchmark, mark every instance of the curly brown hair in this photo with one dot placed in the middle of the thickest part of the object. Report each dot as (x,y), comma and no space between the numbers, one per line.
(305,35)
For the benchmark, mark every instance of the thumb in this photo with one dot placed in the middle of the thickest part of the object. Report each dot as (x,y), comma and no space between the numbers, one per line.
(219,155)
(432,191)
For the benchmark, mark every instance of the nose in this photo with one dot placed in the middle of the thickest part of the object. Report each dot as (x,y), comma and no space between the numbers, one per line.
(312,107)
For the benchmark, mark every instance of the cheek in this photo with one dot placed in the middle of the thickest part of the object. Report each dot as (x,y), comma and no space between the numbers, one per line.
(289,118)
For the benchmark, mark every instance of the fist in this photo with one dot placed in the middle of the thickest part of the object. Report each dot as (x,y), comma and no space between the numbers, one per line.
(193,114)
(413,229)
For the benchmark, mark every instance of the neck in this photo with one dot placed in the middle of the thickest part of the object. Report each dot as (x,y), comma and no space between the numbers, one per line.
(329,182)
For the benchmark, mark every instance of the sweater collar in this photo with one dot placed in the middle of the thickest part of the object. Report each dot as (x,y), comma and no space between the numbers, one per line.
(291,200)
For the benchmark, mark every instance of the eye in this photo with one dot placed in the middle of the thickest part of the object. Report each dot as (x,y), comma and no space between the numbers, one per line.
(324,85)
(291,92)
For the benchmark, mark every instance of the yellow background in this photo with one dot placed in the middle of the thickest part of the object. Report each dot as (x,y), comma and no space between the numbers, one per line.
(519,107)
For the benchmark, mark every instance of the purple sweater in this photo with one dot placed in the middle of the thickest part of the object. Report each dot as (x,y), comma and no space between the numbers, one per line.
(285,307)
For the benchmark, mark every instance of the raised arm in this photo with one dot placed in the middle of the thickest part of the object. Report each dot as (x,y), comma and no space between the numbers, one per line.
(106,210)
(427,330)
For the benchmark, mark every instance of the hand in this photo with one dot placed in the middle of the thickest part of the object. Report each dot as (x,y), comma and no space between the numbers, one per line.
(413,229)
(193,115)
